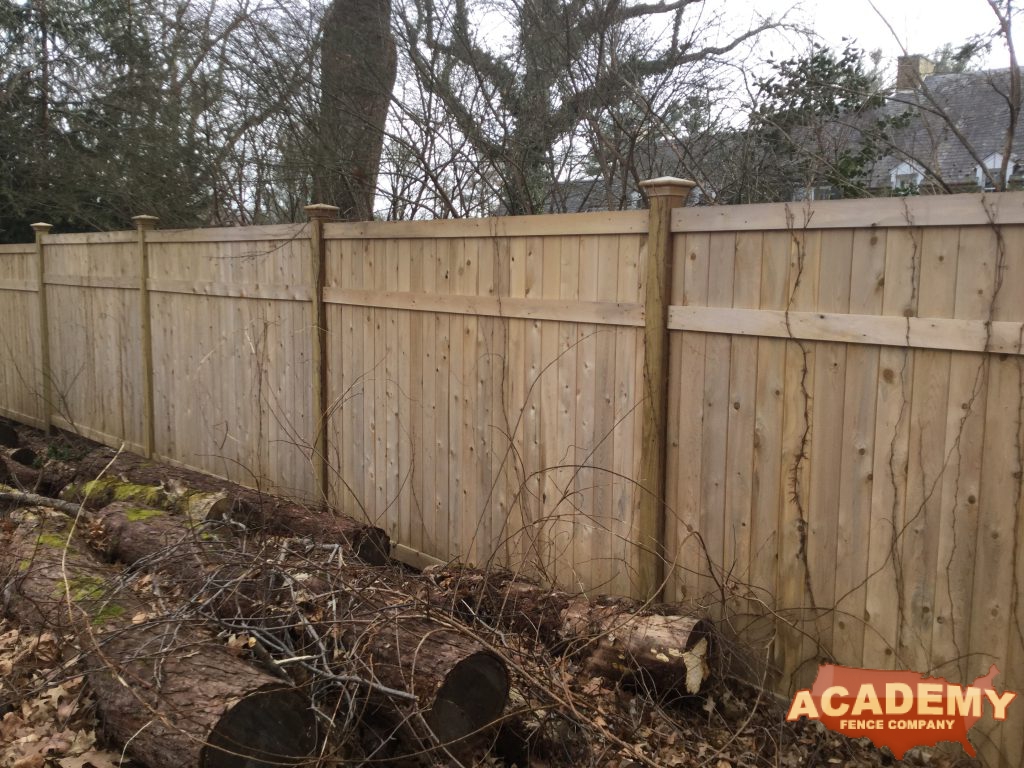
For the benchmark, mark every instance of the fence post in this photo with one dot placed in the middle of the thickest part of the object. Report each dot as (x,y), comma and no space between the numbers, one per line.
(142,225)
(46,382)
(663,195)
(318,214)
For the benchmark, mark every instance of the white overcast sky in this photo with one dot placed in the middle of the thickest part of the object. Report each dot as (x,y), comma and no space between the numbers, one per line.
(921,25)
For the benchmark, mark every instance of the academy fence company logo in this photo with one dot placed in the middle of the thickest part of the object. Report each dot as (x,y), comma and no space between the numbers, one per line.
(898,710)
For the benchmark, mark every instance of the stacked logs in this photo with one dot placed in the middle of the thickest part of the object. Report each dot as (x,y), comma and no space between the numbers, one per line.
(405,656)
(459,686)
(174,695)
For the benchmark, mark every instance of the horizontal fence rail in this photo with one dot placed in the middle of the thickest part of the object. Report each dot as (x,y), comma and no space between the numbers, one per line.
(806,418)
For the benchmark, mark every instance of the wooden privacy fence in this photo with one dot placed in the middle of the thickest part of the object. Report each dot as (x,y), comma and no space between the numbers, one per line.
(828,398)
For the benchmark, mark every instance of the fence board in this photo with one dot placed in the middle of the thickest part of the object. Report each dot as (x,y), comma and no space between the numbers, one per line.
(628,368)
(825,459)
(1001,337)
(1010,262)
(684,542)
(927,453)
(548,446)
(996,593)
(877,213)
(796,579)
(858,449)
(762,570)
(563,510)
(586,479)
(739,460)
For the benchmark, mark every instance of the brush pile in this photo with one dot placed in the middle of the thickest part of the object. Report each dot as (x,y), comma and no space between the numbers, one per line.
(204,624)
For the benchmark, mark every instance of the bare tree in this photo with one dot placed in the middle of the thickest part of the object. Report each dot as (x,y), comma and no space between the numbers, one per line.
(531,107)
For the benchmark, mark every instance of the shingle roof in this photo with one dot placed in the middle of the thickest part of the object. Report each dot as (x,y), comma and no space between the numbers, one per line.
(976,103)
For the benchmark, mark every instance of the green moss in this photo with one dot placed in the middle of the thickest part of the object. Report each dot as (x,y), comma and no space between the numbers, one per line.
(140,515)
(23,565)
(107,613)
(93,488)
(91,589)
(82,588)
(56,540)
(111,489)
(150,495)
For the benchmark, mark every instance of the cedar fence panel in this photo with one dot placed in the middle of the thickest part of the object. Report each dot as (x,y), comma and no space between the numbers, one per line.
(485,389)
(844,444)
(232,344)
(846,392)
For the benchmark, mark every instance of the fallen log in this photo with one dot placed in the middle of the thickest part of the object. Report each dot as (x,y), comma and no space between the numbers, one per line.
(96,494)
(460,687)
(254,508)
(616,638)
(197,506)
(171,695)
(18,475)
(19,498)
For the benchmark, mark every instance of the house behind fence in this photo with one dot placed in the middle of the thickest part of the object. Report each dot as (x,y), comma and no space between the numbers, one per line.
(828,398)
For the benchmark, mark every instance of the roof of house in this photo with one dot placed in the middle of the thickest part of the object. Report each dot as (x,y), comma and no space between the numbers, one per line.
(974,105)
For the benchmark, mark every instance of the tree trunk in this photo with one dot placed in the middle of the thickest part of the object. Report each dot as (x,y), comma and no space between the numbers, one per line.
(460,687)
(357,75)
(617,638)
(258,510)
(172,696)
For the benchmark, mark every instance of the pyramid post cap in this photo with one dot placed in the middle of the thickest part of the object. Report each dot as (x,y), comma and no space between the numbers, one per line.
(322,211)
(667,185)
(145,221)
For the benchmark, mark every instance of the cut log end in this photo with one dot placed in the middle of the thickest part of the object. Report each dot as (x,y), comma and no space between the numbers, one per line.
(665,653)
(472,697)
(372,545)
(24,456)
(8,436)
(271,727)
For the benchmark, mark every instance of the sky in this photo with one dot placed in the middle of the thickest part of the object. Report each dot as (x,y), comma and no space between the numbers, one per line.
(921,25)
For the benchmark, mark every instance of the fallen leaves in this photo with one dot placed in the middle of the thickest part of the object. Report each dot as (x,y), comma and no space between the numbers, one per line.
(47,716)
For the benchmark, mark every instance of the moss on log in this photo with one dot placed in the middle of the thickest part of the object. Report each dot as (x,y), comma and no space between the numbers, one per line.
(257,510)
(170,694)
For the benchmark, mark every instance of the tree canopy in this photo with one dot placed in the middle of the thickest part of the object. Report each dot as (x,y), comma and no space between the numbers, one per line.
(245,111)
